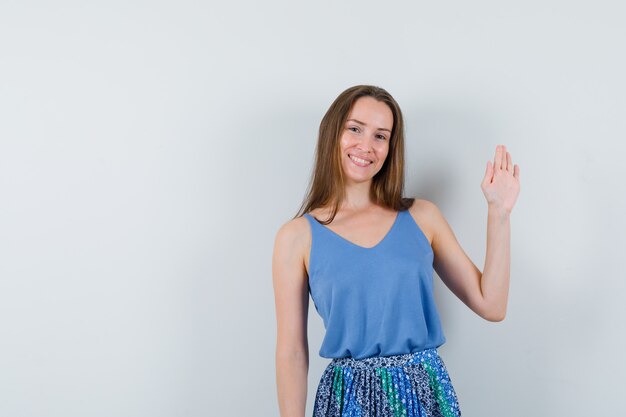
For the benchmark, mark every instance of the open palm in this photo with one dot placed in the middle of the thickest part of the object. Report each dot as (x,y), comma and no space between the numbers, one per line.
(501,182)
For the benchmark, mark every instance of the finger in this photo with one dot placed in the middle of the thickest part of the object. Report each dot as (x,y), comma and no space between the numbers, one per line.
(497,161)
(509,163)
(484,180)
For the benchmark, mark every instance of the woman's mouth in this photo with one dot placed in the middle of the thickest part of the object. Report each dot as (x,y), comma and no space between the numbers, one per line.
(359,162)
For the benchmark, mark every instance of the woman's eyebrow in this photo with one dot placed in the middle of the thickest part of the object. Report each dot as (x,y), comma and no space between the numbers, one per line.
(361,123)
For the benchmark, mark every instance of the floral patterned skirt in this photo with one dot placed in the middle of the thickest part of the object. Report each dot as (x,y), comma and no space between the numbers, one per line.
(406,385)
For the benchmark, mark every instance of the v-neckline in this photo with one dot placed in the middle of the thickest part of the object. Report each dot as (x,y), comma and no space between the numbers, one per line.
(393,226)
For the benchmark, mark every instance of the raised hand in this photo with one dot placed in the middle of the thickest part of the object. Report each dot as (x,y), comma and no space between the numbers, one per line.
(501,182)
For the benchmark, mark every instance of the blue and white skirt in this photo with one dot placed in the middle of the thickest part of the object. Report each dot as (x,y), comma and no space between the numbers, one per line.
(406,385)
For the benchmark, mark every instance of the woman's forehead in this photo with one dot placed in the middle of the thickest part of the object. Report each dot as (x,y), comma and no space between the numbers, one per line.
(371,112)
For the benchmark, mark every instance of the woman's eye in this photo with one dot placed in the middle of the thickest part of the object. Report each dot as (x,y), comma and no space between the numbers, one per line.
(355,128)
(381,137)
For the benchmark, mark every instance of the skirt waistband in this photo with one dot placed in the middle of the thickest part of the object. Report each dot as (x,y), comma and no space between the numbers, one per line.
(402,359)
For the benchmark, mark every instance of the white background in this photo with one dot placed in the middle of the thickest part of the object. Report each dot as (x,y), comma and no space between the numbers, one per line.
(149,152)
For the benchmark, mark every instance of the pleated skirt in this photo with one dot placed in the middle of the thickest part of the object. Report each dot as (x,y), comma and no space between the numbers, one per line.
(411,384)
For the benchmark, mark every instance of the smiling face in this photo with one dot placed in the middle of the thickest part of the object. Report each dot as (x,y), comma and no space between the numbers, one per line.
(364,143)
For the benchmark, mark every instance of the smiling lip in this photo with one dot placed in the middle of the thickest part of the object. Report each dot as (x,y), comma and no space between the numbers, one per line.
(359,163)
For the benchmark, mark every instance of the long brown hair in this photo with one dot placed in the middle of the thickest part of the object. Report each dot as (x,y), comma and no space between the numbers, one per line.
(327,184)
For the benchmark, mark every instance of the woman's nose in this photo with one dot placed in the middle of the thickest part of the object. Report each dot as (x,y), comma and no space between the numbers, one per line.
(366,143)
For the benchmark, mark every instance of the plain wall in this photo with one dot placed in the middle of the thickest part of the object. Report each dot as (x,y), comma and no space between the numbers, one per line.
(149,152)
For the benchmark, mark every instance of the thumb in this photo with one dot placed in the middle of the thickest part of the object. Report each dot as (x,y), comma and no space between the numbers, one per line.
(488,174)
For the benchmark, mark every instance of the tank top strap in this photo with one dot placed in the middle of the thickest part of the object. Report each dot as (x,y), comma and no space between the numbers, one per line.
(314,223)
(318,232)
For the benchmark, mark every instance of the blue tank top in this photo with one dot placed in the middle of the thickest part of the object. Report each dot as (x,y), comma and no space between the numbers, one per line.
(374,301)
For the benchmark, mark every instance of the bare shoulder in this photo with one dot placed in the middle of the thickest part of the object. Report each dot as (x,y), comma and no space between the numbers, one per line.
(292,228)
(427,215)
(290,283)
(291,242)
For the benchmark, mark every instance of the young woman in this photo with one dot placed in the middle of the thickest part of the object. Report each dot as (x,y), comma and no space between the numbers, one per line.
(366,254)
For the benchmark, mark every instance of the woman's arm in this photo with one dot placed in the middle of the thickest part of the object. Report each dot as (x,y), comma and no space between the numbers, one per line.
(291,296)
(485,293)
